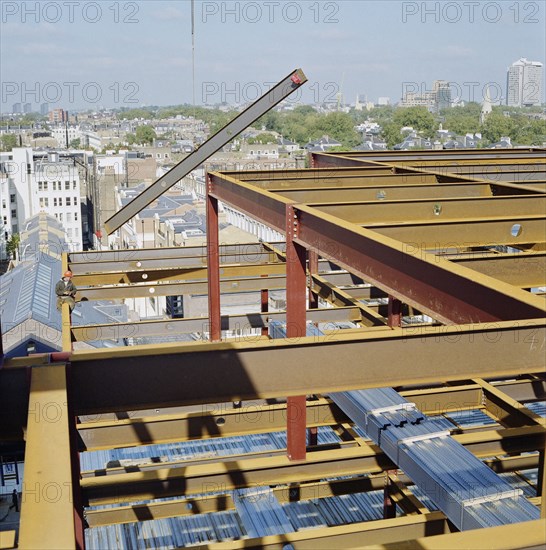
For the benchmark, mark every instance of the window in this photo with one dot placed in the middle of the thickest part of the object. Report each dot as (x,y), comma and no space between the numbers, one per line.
(3,203)
(40,186)
(55,202)
(68,201)
(46,202)
(60,217)
(12,198)
(76,232)
(42,204)
(69,217)
(74,184)
(75,201)
(69,233)
(75,216)
(13,213)
(67,184)
(46,185)
(60,201)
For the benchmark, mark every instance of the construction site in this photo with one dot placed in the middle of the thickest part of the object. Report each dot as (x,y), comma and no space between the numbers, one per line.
(397,401)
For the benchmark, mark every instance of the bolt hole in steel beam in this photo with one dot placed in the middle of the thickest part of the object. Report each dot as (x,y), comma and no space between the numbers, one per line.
(437,209)
(516,230)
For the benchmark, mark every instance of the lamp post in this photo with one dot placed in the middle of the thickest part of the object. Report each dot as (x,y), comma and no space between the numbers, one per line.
(142,221)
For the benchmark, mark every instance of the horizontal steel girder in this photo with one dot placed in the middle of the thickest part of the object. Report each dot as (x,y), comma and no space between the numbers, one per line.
(525,270)
(225,476)
(462,234)
(244,322)
(433,210)
(274,368)
(447,292)
(516,536)
(217,420)
(163,283)
(378,193)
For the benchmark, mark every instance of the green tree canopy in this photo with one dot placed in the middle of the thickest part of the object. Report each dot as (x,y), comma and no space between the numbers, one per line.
(8,142)
(418,118)
(145,134)
(12,246)
(263,138)
(463,120)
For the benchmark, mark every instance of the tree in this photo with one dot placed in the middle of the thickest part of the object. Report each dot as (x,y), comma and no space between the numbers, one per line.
(418,118)
(8,142)
(12,246)
(264,138)
(340,126)
(391,133)
(75,143)
(463,120)
(145,134)
(497,125)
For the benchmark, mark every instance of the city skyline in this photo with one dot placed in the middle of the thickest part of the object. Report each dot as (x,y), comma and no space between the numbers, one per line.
(127,54)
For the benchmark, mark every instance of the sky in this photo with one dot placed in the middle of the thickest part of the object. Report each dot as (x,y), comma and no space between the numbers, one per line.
(90,54)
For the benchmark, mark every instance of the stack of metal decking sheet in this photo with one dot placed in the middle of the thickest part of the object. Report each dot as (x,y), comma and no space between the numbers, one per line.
(466,490)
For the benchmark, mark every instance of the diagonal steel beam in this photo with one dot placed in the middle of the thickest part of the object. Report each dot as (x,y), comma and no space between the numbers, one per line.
(271,98)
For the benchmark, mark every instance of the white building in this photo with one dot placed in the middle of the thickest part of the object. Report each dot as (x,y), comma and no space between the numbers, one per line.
(524,83)
(40,182)
(64,134)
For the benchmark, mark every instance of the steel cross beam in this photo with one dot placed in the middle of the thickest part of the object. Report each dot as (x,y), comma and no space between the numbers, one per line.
(271,98)
(420,279)
(276,368)
(48,518)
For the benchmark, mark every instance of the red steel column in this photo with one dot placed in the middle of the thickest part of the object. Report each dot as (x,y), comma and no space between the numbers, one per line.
(264,294)
(296,280)
(394,320)
(213,265)
(312,256)
(394,312)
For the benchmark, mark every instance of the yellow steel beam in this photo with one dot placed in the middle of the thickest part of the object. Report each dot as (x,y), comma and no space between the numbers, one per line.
(159,510)
(283,367)
(47,512)
(463,234)
(516,536)
(347,536)
(139,275)
(218,503)
(220,420)
(432,209)
(396,190)
(228,475)
(508,411)
(188,325)
(66,334)
(525,270)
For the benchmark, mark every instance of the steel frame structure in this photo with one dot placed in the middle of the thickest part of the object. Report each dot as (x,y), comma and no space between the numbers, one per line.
(422,232)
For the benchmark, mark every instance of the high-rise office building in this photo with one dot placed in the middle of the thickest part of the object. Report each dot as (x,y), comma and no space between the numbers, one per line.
(442,93)
(524,83)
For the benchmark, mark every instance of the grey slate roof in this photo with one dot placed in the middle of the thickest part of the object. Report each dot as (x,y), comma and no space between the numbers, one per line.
(27,292)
